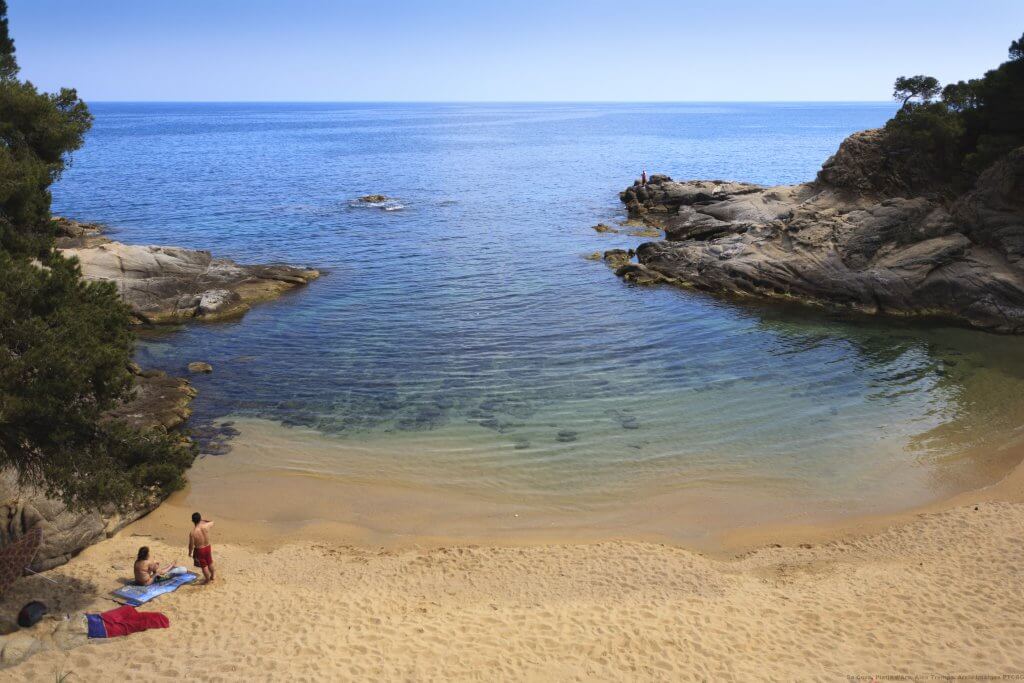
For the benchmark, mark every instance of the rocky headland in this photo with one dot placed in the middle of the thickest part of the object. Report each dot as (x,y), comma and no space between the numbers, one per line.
(854,238)
(171,284)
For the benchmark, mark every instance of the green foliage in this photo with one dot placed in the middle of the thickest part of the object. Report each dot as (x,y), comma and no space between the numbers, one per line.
(1017,49)
(65,344)
(924,88)
(951,141)
(926,138)
(8,65)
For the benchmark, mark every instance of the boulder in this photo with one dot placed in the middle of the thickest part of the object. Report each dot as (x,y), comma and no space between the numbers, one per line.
(71,233)
(616,258)
(200,367)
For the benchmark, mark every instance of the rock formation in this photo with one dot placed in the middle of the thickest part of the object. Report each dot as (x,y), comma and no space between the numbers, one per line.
(160,284)
(853,238)
(158,402)
(171,284)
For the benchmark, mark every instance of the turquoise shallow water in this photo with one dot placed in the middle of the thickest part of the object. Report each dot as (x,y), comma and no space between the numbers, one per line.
(465,320)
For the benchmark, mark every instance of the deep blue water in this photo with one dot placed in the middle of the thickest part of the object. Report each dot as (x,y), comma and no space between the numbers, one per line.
(468,320)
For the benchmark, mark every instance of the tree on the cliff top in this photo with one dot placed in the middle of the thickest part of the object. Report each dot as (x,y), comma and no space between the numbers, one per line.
(65,344)
(943,145)
(925,88)
(1017,49)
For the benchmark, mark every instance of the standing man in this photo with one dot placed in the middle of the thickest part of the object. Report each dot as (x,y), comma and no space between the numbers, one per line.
(643,177)
(199,545)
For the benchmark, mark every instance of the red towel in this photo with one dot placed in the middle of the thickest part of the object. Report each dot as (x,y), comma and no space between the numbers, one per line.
(125,620)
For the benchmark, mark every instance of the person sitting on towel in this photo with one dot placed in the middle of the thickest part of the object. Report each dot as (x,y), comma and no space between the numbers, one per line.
(147,570)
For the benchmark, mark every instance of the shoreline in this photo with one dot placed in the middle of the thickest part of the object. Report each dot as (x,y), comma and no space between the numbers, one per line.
(937,594)
(263,503)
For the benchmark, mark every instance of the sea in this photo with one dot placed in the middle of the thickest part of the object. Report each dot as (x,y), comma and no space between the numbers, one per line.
(461,341)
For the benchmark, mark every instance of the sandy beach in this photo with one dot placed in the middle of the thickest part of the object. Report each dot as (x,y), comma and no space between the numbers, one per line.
(934,592)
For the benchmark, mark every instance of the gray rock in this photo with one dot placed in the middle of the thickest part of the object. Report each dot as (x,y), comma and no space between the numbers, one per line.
(851,239)
(200,367)
(171,284)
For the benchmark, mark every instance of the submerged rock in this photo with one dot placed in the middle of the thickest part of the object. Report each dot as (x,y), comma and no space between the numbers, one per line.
(200,367)
(850,239)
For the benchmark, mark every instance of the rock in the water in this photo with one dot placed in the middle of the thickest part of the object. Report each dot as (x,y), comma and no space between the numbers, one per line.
(566,436)
(616,258)
(853,238)
(601,227)
(72,233)
(171,284)
(158,401)
(200,367)
(373,198)
(640,274)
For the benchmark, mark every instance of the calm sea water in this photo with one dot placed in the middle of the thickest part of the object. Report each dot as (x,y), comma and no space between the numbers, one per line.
(465,321)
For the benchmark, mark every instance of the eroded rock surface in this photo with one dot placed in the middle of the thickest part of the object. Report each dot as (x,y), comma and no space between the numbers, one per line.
(852,238)
(172,284)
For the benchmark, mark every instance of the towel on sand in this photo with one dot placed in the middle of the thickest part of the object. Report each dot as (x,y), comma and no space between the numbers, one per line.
(124,620)
(138,595)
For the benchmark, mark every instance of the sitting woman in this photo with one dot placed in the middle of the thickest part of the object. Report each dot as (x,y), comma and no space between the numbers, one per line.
(146,570)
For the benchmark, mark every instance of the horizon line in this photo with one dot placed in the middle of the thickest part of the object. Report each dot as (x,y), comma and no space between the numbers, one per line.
(138,101)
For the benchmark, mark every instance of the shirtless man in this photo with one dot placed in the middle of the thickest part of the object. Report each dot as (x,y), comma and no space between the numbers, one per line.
(199,545)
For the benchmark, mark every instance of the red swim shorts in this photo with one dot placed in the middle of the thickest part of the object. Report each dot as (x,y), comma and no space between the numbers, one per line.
(203,556)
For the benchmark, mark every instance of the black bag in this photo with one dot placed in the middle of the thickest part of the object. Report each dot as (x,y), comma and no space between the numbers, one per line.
(31,613)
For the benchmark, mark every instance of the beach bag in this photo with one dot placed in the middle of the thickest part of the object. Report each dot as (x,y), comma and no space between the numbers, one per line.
(31,613)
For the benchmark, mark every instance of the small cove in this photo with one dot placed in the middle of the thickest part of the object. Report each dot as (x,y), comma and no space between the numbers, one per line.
(461,344)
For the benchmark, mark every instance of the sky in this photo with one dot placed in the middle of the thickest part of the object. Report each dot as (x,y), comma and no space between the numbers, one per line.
(514,50)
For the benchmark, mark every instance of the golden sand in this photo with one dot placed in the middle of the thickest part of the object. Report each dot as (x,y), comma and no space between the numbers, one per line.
(937,591)
(941,594)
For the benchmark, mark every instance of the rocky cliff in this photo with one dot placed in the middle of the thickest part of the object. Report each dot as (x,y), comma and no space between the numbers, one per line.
(158,401)
(853,238)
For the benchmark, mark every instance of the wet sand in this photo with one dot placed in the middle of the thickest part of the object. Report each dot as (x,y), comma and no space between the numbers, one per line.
(286,483)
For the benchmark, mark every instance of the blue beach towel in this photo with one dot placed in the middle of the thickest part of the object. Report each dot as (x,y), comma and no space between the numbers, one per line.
(138,595)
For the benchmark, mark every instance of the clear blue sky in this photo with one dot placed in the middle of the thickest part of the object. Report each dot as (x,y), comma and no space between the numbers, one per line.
(512,50)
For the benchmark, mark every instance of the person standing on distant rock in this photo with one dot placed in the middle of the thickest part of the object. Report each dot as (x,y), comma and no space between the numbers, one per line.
(643,177)
(199,545)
